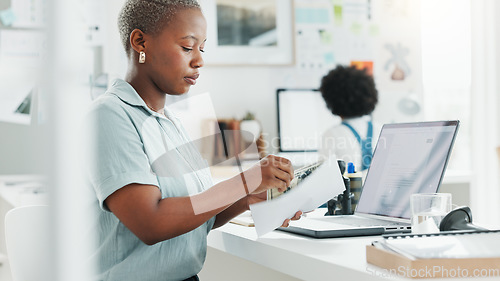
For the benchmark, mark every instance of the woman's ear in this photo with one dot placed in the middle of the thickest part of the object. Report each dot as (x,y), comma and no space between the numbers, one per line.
(137,40)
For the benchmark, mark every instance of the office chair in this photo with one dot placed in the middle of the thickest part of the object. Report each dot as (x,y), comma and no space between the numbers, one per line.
(28,243)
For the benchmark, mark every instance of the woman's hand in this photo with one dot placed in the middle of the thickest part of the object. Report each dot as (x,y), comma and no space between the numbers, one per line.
(271,172)
(260,197)
(297,216)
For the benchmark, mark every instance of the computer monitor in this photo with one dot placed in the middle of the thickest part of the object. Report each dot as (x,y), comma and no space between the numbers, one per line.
(303,117)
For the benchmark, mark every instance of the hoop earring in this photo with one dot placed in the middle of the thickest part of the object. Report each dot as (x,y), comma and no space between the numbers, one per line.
(142,57)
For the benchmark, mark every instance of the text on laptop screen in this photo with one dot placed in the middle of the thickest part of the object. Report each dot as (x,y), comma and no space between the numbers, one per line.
(302,119)
(409,158)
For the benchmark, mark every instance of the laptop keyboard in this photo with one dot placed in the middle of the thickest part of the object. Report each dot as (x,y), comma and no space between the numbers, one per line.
(360,221)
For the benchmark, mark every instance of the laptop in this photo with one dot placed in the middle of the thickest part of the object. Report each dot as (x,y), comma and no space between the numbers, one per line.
(409,158)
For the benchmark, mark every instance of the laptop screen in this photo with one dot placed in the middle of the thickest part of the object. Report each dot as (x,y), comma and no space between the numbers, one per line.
(409,158)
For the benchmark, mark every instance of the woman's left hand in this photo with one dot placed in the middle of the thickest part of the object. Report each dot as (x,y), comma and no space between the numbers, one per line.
(296,217)
(256,198)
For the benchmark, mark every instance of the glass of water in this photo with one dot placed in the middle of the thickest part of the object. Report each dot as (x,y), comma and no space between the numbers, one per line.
(427,211)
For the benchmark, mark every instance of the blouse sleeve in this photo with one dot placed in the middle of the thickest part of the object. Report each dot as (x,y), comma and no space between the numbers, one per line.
(117,152)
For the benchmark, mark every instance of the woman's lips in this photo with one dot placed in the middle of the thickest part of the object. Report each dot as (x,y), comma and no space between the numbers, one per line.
(191,79)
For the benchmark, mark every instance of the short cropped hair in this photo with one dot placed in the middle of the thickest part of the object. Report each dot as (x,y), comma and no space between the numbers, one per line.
(149,16)
(349,92)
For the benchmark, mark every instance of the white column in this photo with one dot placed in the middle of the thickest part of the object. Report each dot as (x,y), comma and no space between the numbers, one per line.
(485,189)
(67,98)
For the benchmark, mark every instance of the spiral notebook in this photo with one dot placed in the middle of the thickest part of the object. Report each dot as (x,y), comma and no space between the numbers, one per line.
(447,245)
(440,255)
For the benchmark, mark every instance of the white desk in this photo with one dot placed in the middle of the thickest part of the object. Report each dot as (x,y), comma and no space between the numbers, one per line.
(300,257)
(285,256)
(296,256)
(22,190)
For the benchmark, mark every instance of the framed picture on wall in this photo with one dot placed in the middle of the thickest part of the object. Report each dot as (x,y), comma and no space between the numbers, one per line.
(249,32)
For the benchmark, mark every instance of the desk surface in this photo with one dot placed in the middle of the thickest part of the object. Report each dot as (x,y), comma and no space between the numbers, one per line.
(20,190)
(302,257)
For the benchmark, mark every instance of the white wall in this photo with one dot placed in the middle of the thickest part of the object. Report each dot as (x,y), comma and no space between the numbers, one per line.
(20,149)
(235,90)
(238,89)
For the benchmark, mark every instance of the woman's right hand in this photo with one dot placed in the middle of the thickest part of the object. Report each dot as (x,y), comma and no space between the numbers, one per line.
(271,172)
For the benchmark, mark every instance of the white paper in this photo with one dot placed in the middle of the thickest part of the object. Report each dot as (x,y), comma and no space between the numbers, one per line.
(322,185)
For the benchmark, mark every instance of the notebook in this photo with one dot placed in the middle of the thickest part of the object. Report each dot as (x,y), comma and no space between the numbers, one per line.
(446,245)
(409,158)
(456,254)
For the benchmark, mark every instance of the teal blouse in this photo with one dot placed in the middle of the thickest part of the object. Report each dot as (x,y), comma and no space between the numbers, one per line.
(133,144)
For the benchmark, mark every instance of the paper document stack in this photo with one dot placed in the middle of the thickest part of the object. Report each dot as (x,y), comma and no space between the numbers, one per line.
(440,255)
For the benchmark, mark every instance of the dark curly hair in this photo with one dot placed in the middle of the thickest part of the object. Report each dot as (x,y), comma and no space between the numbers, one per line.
(349,92)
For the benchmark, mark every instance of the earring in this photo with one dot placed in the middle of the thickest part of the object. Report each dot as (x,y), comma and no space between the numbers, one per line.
(142,57)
